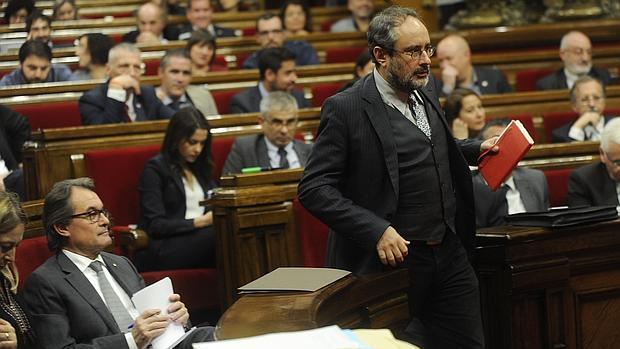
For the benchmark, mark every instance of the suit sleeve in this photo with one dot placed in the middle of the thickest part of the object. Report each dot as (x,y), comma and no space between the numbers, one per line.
(163,111)
(578,194)
(320,187)
(98,109)
(470,149)
(17,131)
(51,321)
(545,190)
(152,208)
(234,161)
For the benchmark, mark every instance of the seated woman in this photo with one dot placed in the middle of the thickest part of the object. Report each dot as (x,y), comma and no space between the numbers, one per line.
(171,188)
(16,11)
(15,330)
(296,18)
(65,10)
(201,47)
(465,113)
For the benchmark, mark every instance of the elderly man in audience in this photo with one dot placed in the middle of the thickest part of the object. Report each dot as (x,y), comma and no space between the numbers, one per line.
(92,51)
(122,98)
(81,296)
(35,65)
(275,147)
(454,57)
(276,68)
(270,33)
(524,191)
(175,72)
(599,184)
(14,131)
(199,13)
(587,98)
(361,13)
(576,53)
(152,26)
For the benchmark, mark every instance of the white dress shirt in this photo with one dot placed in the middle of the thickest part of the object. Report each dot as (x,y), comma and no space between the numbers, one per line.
(513,197)
(193,195)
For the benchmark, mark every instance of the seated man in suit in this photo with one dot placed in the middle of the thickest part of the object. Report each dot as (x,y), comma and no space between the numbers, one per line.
(587,98)
(175,91)
(454,57)
(35,65)
(598,184)
(275,147)
(152,26)
(81,296)
(576,53)
(199,13)
(276,68)
(269,33)
(361,13)
(121,98)
(524,191)
(14,131)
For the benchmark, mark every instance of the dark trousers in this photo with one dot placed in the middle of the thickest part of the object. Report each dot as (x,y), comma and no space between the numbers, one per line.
(444,299)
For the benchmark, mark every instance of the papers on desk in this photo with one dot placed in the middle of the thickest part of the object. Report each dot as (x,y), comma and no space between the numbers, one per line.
(156,296)
(294,279)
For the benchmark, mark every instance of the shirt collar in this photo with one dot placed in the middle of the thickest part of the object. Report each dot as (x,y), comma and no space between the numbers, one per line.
(389,96)
(261,88)
(82,262)
(273,147)
(167,100)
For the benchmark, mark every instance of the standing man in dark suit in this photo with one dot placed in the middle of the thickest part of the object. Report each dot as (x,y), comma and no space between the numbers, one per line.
(454,57)
(14,131)
(576,53)
(199,13)
(598,184)
(81,296)
(121,98)
(275,147)
(393,185)
(152,26)
(276,68)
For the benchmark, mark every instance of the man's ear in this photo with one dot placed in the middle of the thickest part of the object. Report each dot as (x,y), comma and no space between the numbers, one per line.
(380,55)
(62,230)
(270,75)
(261,120)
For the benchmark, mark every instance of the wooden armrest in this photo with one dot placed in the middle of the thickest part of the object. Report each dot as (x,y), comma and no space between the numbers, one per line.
(130,239)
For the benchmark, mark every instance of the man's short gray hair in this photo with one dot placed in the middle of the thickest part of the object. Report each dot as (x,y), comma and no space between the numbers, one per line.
(120,49)
(381,31)
(580,81)
(611,134)
(278,101)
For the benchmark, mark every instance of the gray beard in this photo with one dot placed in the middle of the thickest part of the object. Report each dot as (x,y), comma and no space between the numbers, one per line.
(407,85)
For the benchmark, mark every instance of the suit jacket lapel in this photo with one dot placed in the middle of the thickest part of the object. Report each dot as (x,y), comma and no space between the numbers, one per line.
(121,278)
(261,152)
(83,287)
(525,191)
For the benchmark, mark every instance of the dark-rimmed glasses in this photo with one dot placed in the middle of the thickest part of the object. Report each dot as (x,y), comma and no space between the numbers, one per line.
(92,215)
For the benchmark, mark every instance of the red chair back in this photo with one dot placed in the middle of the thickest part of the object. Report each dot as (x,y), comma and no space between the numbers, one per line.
(222,100)
(343,54)
(323,91)
(553,120)
(50,114)
(557,182)
(151,67)
(526,79)
(30,254)
(312,235)
(220,147)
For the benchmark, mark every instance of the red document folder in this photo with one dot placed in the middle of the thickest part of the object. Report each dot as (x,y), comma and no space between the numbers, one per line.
(513,143)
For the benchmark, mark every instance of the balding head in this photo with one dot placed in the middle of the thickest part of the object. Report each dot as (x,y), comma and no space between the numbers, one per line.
(151,18)
(454,50)
(576,52)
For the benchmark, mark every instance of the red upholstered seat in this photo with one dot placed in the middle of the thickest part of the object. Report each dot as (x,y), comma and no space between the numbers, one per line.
(30,254)
(323,91)
(222,100)
(151,67)
(553,120)
(557,181)
(312,235)
(343,54)
(50,114)
(526,79)
(220,147)
(241,57)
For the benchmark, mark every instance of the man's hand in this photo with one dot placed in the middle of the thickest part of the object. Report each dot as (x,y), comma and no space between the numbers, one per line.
(177,311)
(460,129)
(449,76)
(125,82)
(588,118)
(392,248)
(8,339)
(148,326)
(490,143)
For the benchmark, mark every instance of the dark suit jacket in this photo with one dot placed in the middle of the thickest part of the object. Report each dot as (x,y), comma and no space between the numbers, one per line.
(170,33)
(251,151)
(557,80)
(351,180)
(248,101)
(185,31)
(65,308)
(591,185)
(490,81)
(531,184)
(560,134)
(14,131)
(96,108)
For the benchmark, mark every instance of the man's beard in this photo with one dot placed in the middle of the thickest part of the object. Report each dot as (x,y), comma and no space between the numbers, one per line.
(579,69)
(408,83)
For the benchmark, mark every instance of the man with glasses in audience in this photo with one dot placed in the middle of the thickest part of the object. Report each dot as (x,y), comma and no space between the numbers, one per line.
(576,53)
(599,184)
(269,33)
(275,148)
(454,57)
(199,13)
(81,296)
(122,98)
(587,97)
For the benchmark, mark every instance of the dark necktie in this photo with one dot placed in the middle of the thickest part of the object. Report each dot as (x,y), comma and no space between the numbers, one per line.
(116,307)
(126,117)
(417,110)
(283,159)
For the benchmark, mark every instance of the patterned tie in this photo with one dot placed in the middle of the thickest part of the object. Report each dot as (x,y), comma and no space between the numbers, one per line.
(116,307)
(283,159)
(417,109)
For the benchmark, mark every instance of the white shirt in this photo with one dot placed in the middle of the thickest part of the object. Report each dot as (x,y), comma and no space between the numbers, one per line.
(513,197)
(588,133)
(83,264)
(193,195)
(390,98)
(274,157)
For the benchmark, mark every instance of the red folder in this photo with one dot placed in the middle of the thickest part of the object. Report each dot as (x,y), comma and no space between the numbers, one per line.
(513,143)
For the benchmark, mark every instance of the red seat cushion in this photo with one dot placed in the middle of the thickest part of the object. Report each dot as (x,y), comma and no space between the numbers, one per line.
(312,235)
(241,57)
(526,79)
(323,91)
(557,181)
(553,120)
(151,67)
(50,114)
(343,54)
(220,147)
(30,254)
(222,100)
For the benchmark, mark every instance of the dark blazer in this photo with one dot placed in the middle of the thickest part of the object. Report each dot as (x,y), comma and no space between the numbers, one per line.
(560,134)
(170,33)
(162,216)
(557,79)
(14,131)
(96,108)
(67,311)
(531,184)
(185,31)
(251,151)
(351,180)
(490,81)
(591,185)
(248,101)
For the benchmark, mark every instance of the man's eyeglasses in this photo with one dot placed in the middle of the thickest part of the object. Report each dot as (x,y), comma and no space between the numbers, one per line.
(93,215)
(127,67)
(616,163)
(416,53)
(587,99)
(279,123)
(579,51)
